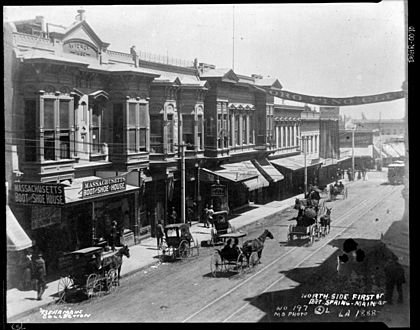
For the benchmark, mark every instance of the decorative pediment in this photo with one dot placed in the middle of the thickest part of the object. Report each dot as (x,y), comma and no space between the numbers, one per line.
(82,33)
(230,76)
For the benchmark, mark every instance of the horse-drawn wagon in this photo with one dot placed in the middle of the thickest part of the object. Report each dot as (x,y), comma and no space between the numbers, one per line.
(177,243)
(90,270)
(236,258)
(336,190)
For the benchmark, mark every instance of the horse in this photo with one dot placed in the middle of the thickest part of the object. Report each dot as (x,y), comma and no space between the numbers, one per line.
(116,260)
(325,220)
(256,245)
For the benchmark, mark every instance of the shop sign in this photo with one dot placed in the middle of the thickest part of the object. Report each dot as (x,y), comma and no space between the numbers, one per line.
(44,216)
(103,186)
(80,49)
(39,193)
(218,190)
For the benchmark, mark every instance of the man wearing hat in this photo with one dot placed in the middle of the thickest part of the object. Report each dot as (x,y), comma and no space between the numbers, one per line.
(113,234)
(40,273)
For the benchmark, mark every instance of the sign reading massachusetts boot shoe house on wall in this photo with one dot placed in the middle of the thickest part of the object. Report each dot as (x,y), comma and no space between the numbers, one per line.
(103,186)
(39,193)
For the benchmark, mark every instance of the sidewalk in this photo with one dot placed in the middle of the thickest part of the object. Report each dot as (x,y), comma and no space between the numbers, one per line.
(144,255)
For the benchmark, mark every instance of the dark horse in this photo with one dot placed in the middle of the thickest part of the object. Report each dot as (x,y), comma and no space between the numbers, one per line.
(256,245)
(115,261)
(325,220)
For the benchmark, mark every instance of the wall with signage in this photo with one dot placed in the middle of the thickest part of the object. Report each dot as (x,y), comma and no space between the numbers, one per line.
(105,186)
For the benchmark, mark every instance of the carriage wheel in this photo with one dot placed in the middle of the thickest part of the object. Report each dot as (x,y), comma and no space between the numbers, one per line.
(93,285)
(253,260)
(184,249)
(65,284)
(216,263)
(112,279)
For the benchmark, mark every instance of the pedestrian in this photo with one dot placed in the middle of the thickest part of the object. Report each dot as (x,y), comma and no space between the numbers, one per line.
(190,215)
(27,272)
(206,214)
(349,174)
(174,215)
(40,274)
(113,237)
(394,276)
(160,233)
(210,215)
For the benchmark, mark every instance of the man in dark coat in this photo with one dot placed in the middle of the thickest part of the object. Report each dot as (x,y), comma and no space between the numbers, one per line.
(160,233)
(394,276)
(40,274)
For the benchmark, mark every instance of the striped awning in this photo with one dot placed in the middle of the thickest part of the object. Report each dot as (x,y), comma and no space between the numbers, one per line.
(17,239)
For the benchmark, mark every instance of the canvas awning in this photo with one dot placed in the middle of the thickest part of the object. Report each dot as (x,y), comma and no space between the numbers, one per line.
(17,239)
(242,172)
(268,170)
(295,163)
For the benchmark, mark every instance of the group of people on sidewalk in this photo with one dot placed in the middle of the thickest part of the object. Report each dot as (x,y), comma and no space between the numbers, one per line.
(35,270)
(358,173)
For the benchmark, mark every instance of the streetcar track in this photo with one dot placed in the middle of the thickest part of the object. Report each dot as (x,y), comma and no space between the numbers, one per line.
(365,209)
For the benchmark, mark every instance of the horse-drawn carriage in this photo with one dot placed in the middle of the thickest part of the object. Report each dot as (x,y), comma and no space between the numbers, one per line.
(90,270)
(235,258)
(177,243)
(336,190)
(307,225)
(221,227)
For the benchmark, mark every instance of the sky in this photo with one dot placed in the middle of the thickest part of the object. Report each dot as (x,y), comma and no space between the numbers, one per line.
(331,50)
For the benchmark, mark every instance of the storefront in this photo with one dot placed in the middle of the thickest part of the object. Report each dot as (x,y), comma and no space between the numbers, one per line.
(293,169)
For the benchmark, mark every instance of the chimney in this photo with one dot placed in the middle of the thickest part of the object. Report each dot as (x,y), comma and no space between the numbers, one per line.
(41,20)
(81,16)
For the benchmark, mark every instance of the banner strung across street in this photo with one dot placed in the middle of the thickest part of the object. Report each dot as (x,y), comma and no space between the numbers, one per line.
(339,101)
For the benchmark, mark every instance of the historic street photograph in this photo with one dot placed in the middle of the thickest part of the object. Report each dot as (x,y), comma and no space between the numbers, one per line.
(207,163)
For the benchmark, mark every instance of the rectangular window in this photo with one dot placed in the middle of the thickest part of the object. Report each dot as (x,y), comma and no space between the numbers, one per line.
(117,129)
(143,118)
(156,133)
(188,131)
(244,130)
(170,134)
(96,147)
(132,111)
(49,145)
(30,130)
(132,140)
(49,118)
(64,113)
(64,145)
(200,132)
(237,130)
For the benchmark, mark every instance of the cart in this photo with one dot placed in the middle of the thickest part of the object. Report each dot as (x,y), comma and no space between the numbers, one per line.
(178,243)
(224,262)
(87,270)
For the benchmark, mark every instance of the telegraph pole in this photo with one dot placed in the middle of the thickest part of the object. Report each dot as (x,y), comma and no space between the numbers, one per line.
(182,146)
(233,39)
(306,169)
